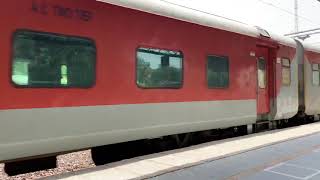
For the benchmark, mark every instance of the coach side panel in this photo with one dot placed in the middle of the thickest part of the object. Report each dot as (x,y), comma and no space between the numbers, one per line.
(286,73)
(114,109)
(312,83)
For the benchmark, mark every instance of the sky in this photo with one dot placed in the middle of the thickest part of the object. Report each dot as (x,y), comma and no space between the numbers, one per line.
(273,15)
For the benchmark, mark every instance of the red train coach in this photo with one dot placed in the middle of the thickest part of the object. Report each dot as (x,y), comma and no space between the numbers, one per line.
(80,73)
(310,83)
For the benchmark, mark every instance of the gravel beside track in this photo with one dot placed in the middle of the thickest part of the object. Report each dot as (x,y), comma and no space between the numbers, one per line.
(66,163)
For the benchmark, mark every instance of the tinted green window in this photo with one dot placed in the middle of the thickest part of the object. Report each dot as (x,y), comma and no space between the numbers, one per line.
(158,68)
(48,60)
(218,72)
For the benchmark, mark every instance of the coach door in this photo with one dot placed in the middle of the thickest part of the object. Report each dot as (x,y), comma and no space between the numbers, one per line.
(263,99)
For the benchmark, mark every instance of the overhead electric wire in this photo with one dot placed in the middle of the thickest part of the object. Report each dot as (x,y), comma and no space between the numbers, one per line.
(314,43)
(264,2)
(201,11)
(261,1)
(302,32)
(307,34)
(287,11)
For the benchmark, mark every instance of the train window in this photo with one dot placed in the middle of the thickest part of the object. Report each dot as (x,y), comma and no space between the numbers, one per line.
(49,60)
(217,71)
(262,78)
(315,74)
(157,68)
(315,67)
(286,72)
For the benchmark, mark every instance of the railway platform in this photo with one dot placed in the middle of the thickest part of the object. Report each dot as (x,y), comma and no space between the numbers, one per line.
(286,154)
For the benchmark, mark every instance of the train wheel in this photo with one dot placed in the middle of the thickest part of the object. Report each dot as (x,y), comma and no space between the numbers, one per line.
(282,124)
(27,166)
(103,155)
(183,140)
(117,152)
(242,130)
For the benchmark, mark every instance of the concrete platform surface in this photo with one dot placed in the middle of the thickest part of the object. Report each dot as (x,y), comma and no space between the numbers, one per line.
(272,154)
(290,160)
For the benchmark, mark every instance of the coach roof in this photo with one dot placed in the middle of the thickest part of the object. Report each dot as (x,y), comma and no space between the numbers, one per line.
(179,12)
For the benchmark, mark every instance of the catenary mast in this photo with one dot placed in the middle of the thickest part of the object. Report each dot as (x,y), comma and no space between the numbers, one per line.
(296,16)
